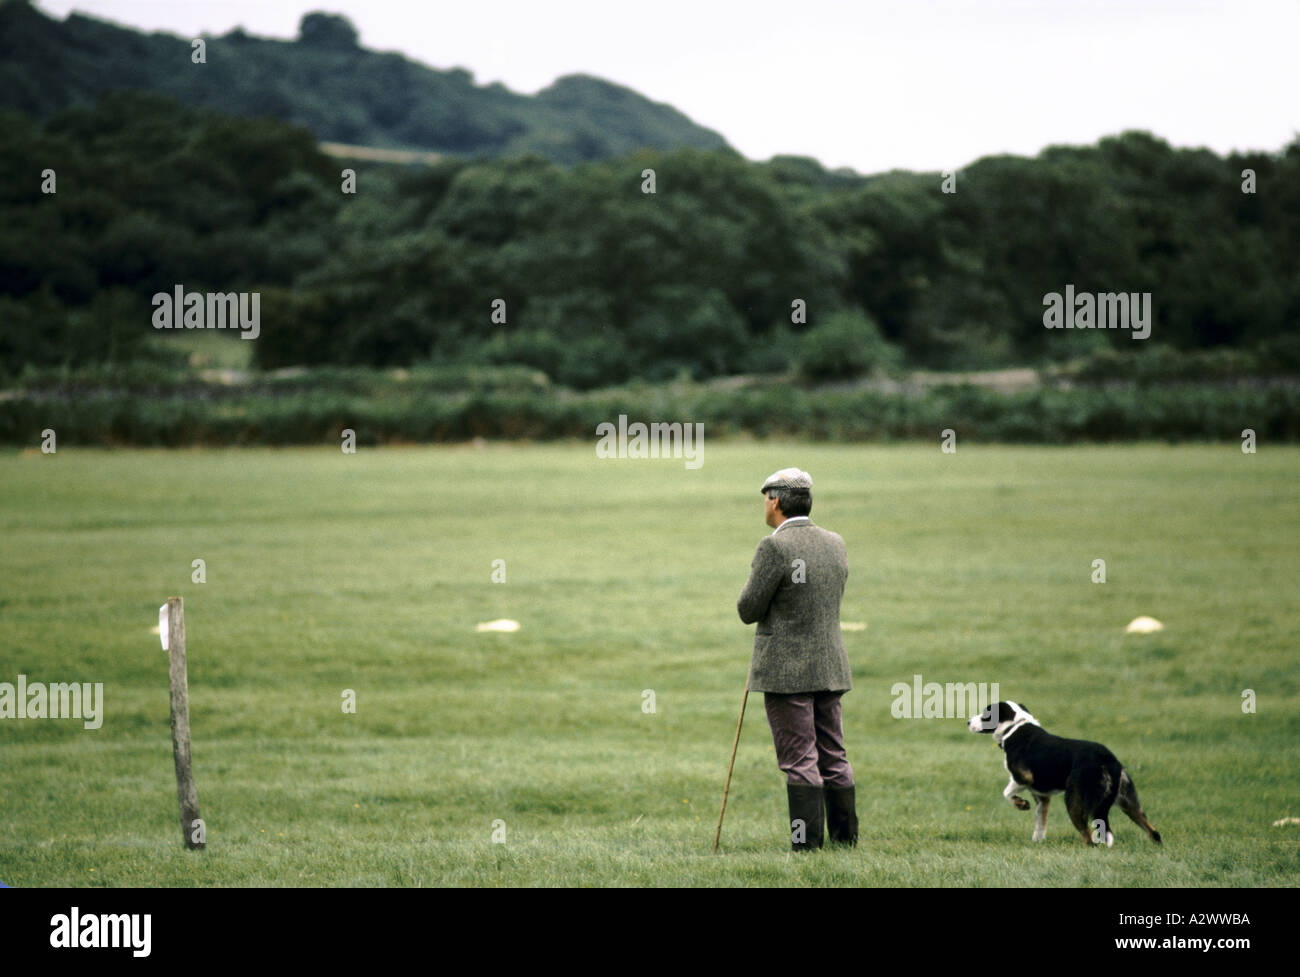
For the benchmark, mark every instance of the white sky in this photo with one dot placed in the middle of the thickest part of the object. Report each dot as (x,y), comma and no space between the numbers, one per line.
(871,84)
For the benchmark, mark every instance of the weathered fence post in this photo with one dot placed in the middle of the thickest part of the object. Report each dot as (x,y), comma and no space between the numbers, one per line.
(172,632)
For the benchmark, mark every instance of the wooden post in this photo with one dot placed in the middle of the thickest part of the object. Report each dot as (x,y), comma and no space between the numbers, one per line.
(186,793)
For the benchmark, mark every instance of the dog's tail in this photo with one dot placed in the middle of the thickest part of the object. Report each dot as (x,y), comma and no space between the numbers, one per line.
(1129,804)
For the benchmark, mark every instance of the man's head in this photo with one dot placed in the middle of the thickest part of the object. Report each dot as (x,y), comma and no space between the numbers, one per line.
(787,493)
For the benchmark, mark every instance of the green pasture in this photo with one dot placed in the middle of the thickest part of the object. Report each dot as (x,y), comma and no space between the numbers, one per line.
(327,572)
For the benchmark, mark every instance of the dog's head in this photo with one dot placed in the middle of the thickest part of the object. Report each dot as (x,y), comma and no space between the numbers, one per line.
(998,717)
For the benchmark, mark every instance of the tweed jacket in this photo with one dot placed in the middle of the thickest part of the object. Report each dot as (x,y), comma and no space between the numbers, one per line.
(797,646)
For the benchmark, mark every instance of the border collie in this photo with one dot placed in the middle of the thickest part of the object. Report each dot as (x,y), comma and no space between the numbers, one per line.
(1088,774)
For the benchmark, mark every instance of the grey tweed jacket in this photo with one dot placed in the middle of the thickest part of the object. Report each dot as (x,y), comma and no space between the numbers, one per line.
(798,646)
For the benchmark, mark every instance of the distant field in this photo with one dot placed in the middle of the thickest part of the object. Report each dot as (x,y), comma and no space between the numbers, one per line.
(369,572)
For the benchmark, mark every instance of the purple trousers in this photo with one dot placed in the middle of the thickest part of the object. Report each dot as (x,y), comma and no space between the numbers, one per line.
(809,738)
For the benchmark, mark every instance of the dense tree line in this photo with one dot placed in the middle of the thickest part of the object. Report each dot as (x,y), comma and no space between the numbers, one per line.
(596,281)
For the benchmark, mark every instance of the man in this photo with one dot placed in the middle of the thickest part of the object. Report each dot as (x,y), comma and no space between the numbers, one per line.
(795,584)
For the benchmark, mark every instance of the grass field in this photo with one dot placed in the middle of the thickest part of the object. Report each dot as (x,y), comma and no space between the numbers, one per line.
(370,571)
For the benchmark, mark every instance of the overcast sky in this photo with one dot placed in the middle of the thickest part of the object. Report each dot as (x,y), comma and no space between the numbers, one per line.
(871,84)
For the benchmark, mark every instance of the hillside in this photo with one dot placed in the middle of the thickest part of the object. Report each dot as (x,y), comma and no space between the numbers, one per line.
(324,80)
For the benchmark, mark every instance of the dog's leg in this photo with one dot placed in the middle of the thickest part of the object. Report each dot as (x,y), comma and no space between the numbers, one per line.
(1110,780)
(1128,803)
(1040,816)
(1074,803)
(1011,793)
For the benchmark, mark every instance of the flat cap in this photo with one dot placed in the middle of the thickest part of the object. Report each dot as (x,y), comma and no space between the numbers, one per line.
(792,478)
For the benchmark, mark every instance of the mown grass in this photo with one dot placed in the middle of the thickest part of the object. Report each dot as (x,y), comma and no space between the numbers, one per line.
(369,572)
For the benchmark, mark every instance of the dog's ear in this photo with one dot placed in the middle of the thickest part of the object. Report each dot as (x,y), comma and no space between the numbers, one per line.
(1025,708)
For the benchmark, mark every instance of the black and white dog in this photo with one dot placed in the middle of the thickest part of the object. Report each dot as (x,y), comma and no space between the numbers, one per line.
(1043,764)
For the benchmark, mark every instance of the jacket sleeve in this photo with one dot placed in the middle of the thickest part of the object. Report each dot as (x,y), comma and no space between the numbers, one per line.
(764,579)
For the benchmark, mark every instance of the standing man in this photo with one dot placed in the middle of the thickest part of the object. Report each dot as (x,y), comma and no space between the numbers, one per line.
(794,588)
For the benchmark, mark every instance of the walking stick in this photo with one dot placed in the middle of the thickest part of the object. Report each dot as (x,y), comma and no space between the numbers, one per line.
(727,787)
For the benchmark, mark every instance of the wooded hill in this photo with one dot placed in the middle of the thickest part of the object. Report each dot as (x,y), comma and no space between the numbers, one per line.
(325,81)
